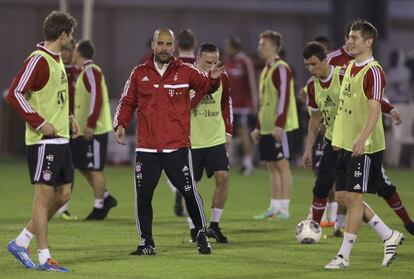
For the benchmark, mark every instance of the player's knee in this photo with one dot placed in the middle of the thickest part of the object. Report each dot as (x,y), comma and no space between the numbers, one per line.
(387,191)
(340,198)
(222,181)
(320,191)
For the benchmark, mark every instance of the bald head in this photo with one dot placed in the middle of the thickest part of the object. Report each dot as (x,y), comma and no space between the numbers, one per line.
(163,44)
(163,32)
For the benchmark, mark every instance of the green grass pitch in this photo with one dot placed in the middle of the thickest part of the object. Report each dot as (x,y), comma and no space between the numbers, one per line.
(257,249)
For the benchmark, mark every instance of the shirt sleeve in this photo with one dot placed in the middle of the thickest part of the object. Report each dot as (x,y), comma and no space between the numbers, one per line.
(33,76)
(201,82)
(92,80)
(374,83)
(127,103)
(310,97)
(281,78)
(226,106)
(386,106)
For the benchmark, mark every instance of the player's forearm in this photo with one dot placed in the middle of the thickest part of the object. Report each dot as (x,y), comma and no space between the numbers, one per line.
(313,129)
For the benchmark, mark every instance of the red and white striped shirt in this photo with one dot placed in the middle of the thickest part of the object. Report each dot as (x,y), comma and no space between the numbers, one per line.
(339,57)
(243,84)
(33,76)
(92,79)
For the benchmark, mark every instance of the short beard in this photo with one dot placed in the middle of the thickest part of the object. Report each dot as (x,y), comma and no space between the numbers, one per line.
(157,58)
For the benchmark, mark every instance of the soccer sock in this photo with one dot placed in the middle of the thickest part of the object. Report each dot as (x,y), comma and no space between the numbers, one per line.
(347,243)
(216,214)
(190,223)
(285,205)
(340,221)
(332,213)
(275,205)
(99,203)
(64,208)
(44,254)
(248,161)
(318,208)
(24,238)
(106,193)
(396,204)
(382,230)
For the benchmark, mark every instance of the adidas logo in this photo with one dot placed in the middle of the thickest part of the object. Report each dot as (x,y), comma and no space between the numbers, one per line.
(145,78)
(185,169)
(90,165)
(357,187)
(280,155)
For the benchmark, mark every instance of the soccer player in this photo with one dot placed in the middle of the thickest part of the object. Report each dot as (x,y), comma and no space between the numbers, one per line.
(72,72)
(211,130)
(386,189)
(244,96)
(323,99)
(39,93)
(186,43)
(94,116)
(277,115)
(359,133)
(159,91)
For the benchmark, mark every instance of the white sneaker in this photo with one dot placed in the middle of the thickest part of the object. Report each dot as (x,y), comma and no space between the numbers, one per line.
(390,247)
(338,263)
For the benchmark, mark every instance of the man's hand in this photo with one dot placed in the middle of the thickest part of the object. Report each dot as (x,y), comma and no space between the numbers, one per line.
(277,133)
(307,159)
(88,133)
(228,141)
(216,70)
(358,148)
(255,135)
(74,127)
(120,135)
(48,130)
(396,117)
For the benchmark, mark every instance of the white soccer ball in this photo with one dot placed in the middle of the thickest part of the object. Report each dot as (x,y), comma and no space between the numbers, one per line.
(308,232)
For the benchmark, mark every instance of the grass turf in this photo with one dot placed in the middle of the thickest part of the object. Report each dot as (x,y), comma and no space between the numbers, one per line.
(257,249)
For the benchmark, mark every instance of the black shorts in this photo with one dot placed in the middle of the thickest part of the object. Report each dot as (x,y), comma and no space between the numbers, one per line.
(270,150)
(50,164)
(326,173)
(360,174)
(244,119)
(212,159)
(89,154)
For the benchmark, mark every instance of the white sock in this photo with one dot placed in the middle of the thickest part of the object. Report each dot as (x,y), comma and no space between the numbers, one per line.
(382,230)
(326,212)
(63,208)
(216,214)
(248,161)
(24,238)
(340,221)
(347,243)
(106,194)
(275,205)
(99,203)
(43,254)
(190,223)
(332,213)
(285,205)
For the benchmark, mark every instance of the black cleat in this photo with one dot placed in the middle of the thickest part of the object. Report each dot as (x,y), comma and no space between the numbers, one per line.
(110,202)
(410,227)
(214,231)
(178,206)
(97,214)
(193,234)
(144,250)
(202,243)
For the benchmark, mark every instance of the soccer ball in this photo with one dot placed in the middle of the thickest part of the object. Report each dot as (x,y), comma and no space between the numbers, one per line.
(308,232)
